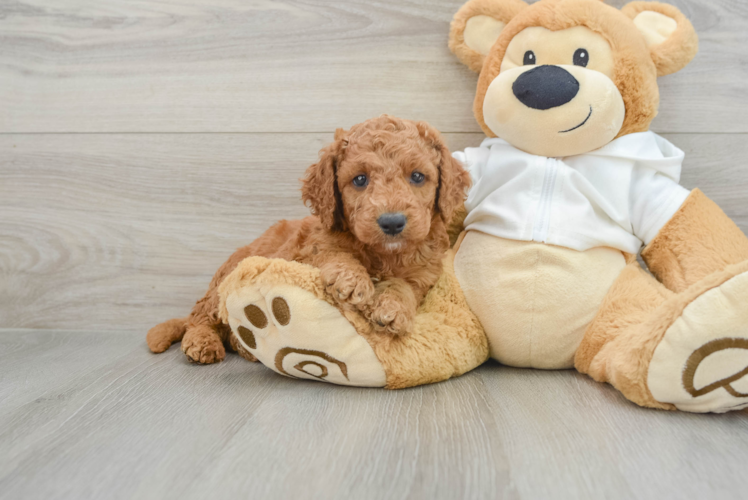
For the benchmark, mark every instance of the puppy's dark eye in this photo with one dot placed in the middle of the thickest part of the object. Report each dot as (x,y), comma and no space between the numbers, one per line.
(529,58)
(417,178)
(360,181)
(581,57)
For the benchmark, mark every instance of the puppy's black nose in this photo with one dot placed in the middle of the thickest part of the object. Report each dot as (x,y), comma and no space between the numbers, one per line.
(545,87)
(392,223)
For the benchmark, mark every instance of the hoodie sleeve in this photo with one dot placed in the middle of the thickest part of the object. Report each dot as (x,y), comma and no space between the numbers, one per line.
(654,199)
(474,160)
(461,157)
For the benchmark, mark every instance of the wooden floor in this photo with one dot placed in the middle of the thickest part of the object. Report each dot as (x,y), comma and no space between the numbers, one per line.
(142,141)
(94,415)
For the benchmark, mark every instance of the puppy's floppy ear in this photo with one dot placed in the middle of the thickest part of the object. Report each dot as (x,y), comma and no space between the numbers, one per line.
(454,180)
(320,185)
(670,36)
(477,26)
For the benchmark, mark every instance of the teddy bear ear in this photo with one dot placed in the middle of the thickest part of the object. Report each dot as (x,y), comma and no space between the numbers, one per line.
(477,25)
(670,36)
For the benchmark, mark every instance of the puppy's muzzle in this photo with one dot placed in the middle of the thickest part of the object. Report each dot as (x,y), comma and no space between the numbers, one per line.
(392,223)
(545,87)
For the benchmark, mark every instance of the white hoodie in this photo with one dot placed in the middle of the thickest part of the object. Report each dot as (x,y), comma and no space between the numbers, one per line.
(618,196)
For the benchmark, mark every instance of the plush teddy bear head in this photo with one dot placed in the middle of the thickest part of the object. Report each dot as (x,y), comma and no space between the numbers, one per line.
(565,77)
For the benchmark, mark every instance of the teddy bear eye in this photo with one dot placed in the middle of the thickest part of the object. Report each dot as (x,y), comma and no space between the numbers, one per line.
(360,181)
(581,57)
(529,58)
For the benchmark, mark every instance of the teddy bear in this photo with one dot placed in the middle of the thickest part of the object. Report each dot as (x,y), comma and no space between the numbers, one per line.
(568,188)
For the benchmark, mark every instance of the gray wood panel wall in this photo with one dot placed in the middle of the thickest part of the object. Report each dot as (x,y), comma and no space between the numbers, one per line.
(141,142)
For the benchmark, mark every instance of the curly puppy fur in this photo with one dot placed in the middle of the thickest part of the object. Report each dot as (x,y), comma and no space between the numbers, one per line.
(384,276)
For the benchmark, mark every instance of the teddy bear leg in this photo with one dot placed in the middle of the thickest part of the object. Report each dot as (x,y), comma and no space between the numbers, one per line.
(686,351)
(615,342)
(683,343)
(697,241)
(446,341)
(701,364)
(279,313)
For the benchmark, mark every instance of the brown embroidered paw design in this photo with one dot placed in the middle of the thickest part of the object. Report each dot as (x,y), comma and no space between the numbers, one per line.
(701,354)
(299,335)
(701,363)
(282,314)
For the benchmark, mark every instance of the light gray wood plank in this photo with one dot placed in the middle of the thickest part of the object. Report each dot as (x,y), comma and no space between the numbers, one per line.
(126,230)
(587,427)
(82,214)
(154,426)
(30,358)
(292,66)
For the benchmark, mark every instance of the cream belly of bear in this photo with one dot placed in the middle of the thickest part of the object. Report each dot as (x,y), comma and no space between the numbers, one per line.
(535,300)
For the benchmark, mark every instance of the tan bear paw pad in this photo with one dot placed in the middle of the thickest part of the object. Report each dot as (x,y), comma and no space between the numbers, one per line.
(298,335)
(701,364)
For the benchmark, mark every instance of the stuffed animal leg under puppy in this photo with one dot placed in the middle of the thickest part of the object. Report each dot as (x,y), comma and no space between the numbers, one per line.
(383,193)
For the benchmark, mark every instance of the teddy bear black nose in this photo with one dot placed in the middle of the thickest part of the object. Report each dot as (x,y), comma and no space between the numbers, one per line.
(392,223)
(545,87)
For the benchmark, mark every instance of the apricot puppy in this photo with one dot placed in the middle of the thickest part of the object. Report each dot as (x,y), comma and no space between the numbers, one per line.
(382,195)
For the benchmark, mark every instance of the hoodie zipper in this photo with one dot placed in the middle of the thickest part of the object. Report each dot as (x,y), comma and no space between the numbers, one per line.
(543,214)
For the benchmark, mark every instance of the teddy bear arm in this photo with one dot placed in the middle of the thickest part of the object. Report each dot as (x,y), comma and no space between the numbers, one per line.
(698,240)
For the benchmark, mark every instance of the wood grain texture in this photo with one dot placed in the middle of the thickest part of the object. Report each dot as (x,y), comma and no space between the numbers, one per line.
(126,230)
(292,66)
(142,141)
(130,424)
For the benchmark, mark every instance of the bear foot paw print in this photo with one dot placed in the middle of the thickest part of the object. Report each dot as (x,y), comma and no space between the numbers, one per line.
(701,363)
(299,335)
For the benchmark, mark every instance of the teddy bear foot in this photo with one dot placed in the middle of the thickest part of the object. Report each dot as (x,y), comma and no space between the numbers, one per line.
(701,363)
(279,313)
(296,333)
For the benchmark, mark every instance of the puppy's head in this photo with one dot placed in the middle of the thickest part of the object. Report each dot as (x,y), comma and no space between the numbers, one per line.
(387,181)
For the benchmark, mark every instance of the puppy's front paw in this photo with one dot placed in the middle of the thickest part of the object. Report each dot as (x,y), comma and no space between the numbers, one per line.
(347,284)
(202,345)
(392,316)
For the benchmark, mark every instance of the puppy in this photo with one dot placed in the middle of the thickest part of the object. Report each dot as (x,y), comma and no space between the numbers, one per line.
(382,195)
